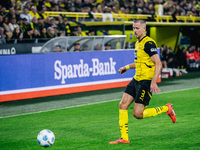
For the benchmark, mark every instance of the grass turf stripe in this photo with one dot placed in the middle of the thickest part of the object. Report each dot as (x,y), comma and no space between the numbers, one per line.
(86,104)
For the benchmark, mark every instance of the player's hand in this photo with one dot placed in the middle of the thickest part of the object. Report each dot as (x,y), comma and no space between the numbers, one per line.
(122,70)
(154,88)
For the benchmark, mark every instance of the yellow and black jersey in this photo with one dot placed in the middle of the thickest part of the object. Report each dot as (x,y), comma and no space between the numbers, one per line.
(144,67)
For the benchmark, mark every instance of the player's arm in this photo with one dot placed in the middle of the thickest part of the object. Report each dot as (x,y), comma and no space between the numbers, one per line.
(151,50)
(127,67)
(158,66)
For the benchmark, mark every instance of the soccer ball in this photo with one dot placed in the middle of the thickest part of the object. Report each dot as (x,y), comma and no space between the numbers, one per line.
(46,138)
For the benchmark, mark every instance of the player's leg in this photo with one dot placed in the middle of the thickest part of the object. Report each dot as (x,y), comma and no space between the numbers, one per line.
(123,115)
(142,99)
(127,99)
(123,118)
(151,112)
(140,112)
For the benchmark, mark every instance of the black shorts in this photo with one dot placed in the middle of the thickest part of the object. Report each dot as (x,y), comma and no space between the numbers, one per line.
(140,91)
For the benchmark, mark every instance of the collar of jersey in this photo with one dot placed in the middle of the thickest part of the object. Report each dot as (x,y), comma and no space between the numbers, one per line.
(142,38)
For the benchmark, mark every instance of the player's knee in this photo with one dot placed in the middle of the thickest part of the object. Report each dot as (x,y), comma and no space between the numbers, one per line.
(138,115)
(123,105)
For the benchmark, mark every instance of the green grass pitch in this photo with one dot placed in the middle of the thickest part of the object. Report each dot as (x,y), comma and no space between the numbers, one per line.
(91,127)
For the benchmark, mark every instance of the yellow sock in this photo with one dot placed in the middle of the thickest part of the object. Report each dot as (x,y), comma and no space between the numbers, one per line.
(151,112)
(123,123)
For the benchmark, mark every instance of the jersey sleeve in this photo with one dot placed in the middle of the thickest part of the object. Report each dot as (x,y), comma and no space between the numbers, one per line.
(150,48)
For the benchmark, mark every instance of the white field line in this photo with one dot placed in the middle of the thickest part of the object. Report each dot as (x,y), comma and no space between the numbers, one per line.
(87,104)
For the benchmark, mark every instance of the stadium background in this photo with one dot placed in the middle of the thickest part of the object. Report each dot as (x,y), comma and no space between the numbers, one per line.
(183,28)
(165,29)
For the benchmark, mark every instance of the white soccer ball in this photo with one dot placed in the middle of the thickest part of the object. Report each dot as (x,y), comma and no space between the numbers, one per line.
(46,138)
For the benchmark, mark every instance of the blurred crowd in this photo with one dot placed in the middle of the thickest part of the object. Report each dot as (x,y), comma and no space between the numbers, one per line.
(184,58)
(26,20)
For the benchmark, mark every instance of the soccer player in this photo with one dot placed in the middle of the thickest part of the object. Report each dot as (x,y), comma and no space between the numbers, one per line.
(148,67)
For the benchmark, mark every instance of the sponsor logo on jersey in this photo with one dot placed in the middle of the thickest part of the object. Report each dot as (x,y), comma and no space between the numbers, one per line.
(153,49)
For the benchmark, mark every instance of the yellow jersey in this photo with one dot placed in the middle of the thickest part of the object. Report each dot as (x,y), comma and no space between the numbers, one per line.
(34,14)
(144,67)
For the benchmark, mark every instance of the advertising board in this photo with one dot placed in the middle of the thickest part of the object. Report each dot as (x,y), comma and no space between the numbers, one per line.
(38,75)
